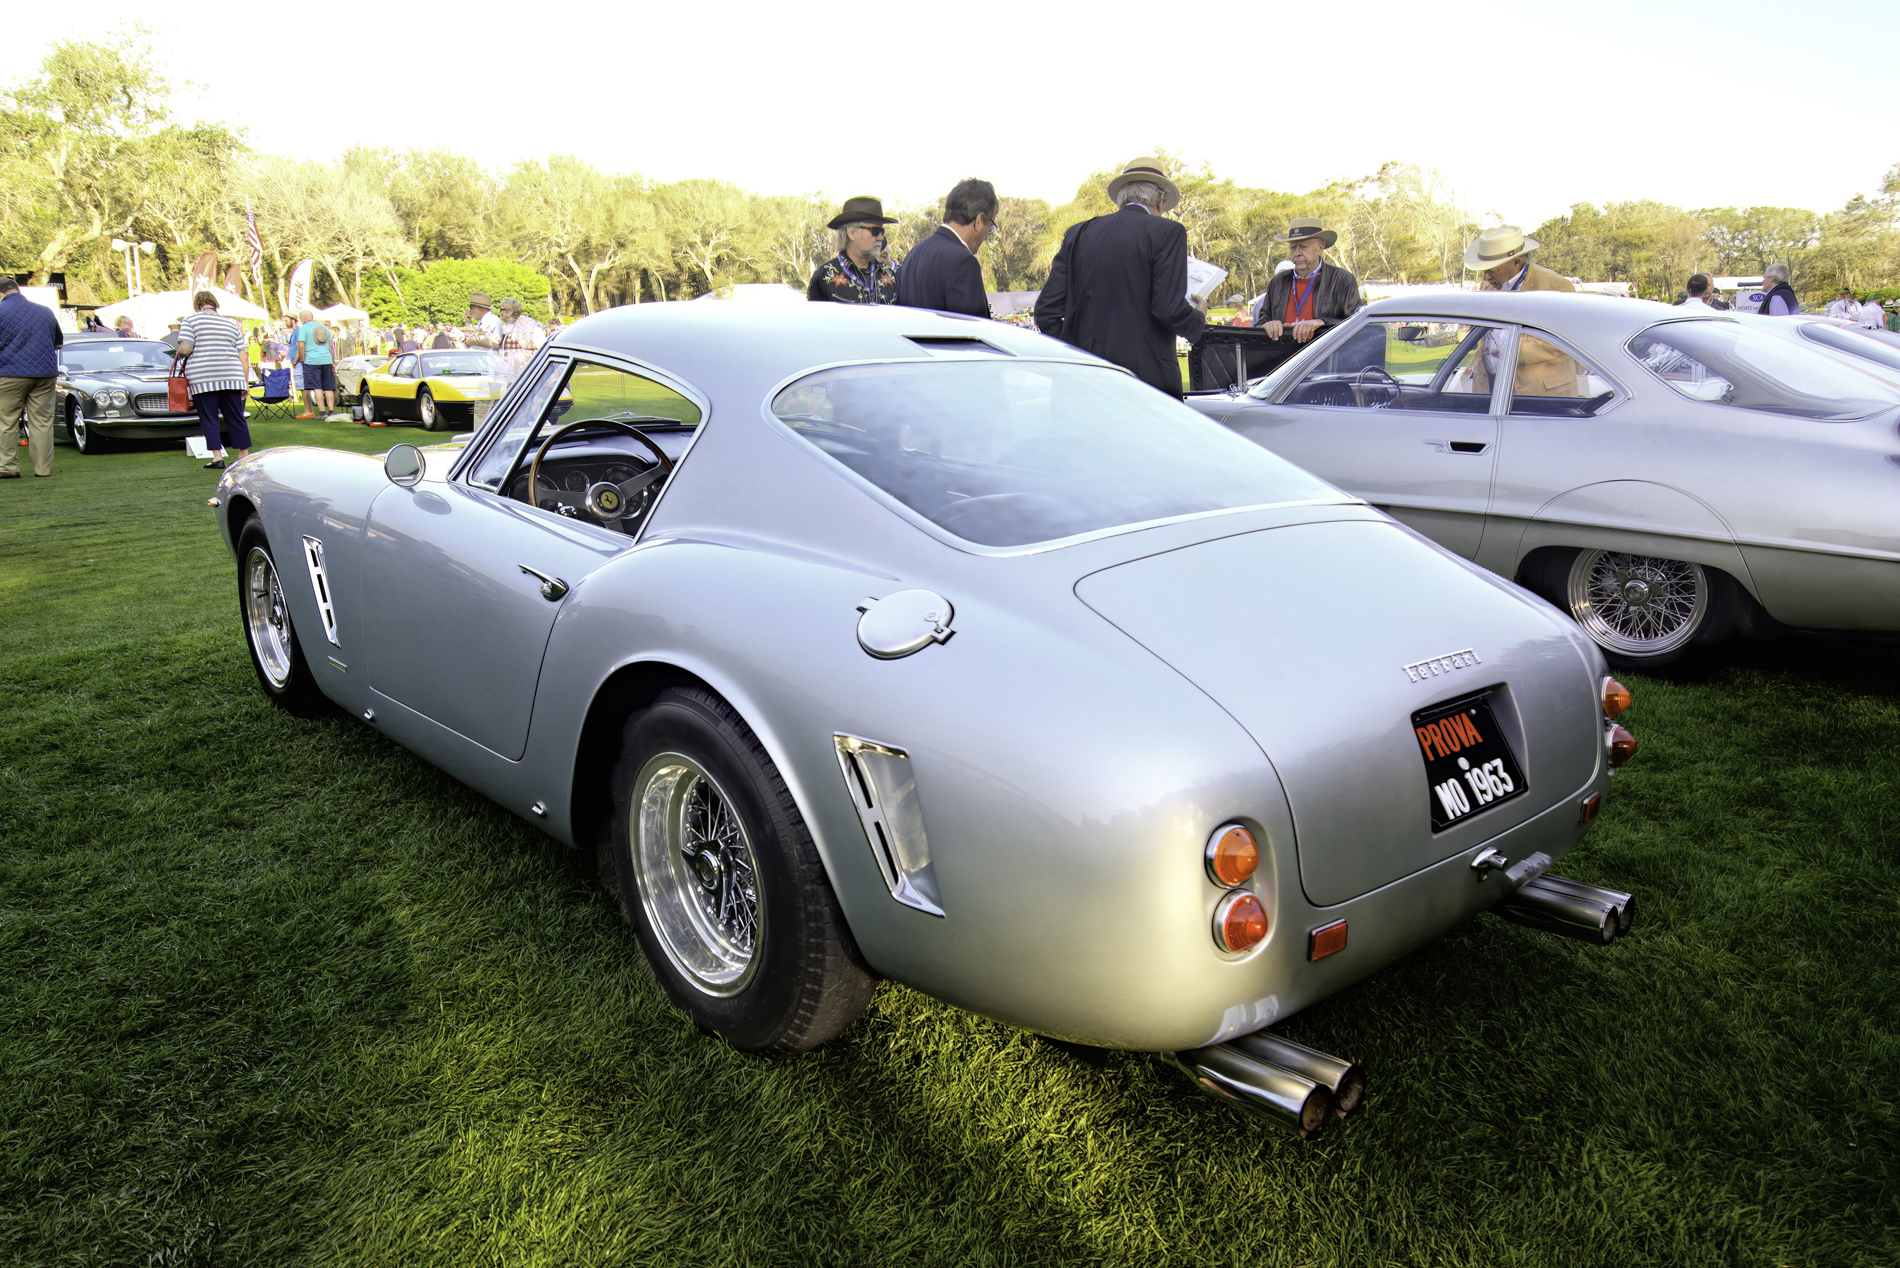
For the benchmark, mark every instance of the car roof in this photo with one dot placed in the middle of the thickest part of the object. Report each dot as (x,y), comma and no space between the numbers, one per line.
(711,343)
(1608,316)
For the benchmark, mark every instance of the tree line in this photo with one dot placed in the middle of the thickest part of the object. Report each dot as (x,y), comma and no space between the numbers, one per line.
(93,151)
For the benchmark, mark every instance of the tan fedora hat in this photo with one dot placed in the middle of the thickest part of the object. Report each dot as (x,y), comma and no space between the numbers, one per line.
(862,210)
(1146,168)
(1301,230)
(1495,246)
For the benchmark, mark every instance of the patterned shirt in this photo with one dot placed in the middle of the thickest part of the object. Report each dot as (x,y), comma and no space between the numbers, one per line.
(216,363)
(29,340)
(840,280)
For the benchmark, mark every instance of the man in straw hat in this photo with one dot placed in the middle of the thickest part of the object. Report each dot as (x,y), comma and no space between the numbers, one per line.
(1311,296)
(1502,256)
(1118,287)
(858,273)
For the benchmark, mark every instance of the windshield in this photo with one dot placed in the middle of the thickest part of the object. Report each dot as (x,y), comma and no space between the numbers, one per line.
(1729,364)
(455,364)
(1879,346)
(1012,454)
(133,354)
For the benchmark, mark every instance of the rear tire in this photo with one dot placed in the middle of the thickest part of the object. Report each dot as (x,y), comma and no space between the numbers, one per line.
(722,882)
(276,654)
(428,411)
(367,404)
(1643,611)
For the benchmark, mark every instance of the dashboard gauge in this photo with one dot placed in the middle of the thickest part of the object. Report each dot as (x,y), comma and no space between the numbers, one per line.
(618,474)
(576,482)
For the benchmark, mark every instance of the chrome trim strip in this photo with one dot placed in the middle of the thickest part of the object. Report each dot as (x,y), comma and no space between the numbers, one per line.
(320,583)
(339,664)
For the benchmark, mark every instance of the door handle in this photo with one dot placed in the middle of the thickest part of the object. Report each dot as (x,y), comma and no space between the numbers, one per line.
(1459,446)
(552,588)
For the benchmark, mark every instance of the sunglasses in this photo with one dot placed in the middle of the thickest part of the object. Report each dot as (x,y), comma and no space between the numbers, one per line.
(876,231)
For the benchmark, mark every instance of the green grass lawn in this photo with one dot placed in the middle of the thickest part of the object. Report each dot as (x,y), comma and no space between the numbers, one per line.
(278,992)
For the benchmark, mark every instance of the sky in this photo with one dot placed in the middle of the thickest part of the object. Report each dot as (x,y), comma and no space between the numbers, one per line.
(1526,108)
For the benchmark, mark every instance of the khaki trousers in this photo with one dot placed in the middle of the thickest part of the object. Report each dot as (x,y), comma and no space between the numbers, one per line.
(36,396)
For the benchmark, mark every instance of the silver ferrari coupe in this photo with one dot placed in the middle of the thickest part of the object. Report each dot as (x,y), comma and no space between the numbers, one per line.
(1664,476)
(886,643)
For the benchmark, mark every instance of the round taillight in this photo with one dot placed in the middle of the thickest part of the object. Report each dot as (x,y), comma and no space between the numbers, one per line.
(1622,745)
(1232,856)
(1240,922)
(1616,698)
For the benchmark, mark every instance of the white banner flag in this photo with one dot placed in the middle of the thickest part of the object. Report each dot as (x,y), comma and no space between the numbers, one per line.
(299,289)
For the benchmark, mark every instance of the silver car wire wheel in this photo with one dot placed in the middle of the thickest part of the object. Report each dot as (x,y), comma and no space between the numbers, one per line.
(697,879)
(1637,605)
(265,619)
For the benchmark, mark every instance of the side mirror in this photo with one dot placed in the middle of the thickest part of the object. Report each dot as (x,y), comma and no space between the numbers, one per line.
(403,465)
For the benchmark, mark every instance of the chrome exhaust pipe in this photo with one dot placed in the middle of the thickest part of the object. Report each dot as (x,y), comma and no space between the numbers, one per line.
(1286,1097)
(1344,1080)
(1571,909)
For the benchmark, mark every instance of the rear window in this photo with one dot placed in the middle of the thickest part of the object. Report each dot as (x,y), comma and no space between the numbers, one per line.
(1727,363)
(1016,453)
(1879,346)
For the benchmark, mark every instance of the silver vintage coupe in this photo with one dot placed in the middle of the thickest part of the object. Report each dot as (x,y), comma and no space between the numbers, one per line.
(1664,476)
(889,643)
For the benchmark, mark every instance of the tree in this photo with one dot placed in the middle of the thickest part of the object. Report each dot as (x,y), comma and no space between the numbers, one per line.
(441,294)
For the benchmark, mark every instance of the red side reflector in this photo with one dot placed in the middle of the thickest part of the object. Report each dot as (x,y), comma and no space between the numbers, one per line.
(1587,812)
(1325,940)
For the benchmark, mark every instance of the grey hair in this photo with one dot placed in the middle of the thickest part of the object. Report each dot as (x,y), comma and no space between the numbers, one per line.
(1147,193)
(1777,271)
(844,234)
(509,304)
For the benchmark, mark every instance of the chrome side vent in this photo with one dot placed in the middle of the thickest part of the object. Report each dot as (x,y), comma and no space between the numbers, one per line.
(885,794)
(320,582)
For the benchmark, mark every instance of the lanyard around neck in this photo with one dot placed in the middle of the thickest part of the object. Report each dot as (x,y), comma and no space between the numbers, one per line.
(870,284)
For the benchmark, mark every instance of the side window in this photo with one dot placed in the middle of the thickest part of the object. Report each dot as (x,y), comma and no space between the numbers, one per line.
(405,368)
(1404,364)
(1551,380)
(582,391)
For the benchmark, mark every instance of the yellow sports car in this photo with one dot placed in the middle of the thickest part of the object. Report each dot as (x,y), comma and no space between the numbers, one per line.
(441,390)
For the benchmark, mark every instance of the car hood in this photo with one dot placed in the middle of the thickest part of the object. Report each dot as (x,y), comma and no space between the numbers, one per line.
(1323,639)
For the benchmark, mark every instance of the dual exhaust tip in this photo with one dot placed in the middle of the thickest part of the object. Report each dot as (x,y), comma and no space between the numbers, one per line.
(1300,1088)
(1288,1084)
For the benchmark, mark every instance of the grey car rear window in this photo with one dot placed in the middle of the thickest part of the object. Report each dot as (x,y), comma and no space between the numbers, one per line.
(1879,346)
(1726,363)
(1015,453)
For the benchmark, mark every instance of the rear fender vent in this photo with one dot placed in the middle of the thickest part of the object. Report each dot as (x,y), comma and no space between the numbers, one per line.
(320,582)
(879,779)
(956,344)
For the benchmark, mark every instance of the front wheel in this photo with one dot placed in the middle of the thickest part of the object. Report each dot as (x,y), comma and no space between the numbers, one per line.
(1642,610)
(429,412)
(85,439)
(722,882)
(276,653)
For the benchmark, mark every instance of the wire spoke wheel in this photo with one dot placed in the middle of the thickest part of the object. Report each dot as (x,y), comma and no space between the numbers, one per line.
(1637,605)
(697,878)
(265,620)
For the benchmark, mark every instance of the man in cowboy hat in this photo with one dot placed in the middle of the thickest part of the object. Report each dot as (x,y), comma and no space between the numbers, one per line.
(858,274)
(1309,297)
(485,327)
(1118,287)
(942,271)
(1502,256)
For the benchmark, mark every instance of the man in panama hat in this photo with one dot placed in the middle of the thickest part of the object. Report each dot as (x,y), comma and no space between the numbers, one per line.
(858,273)
(1503,256)
(1311,297)
(1118,287)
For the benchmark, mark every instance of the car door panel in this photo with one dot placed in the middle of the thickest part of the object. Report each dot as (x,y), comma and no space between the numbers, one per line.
(456,621)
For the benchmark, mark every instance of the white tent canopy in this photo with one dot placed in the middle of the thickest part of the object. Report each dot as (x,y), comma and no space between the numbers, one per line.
(342,312)
(153,311)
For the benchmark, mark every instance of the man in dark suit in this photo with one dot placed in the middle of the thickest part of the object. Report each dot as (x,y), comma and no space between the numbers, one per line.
(1118,287)
(942,272)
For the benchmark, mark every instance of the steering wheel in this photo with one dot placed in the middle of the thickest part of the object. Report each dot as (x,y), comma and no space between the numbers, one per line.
(627,489)
(1359,388)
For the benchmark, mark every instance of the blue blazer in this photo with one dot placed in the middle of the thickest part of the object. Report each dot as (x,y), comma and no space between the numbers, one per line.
(941,273)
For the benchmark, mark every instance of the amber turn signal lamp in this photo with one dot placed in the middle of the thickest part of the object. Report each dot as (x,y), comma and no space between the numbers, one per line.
(1240,922)
(1616,698)
(1232,856)
(1325,940)
(1622,745)
(1587,812)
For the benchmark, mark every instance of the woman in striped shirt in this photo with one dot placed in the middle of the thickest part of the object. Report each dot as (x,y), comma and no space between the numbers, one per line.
(218,370)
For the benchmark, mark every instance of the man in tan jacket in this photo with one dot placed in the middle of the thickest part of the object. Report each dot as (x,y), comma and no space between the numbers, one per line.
(1502,257)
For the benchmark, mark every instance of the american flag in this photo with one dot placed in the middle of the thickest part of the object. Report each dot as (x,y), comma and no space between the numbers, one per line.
(250,235)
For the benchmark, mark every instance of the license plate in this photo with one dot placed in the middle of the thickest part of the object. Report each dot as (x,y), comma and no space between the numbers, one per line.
(1468,766)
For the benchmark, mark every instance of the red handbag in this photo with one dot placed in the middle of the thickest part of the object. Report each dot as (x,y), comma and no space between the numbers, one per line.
(178,388)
